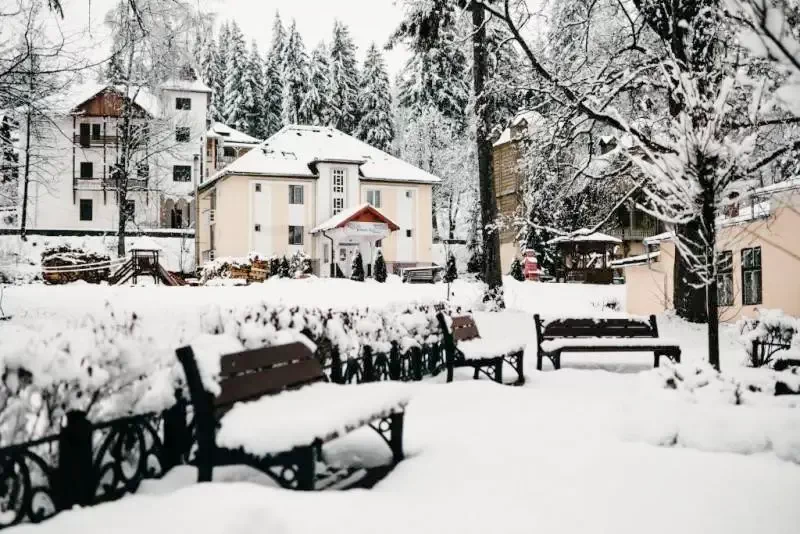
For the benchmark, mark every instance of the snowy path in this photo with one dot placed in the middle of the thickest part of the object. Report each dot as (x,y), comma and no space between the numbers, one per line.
(551,457)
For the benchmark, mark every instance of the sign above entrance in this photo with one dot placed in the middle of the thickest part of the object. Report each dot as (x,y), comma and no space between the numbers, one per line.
(366,229)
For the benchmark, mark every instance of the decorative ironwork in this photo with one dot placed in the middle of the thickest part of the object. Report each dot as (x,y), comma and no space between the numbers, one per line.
(129,450)
(28,482)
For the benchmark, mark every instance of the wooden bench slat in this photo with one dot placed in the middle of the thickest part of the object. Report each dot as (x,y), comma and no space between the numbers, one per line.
(461,321)
(267,382)
(263,358)
(466,333)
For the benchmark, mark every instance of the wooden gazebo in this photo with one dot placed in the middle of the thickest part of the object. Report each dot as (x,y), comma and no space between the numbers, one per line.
(586,257)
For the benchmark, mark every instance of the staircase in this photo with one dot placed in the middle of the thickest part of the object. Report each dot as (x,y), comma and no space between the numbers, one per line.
(122,274)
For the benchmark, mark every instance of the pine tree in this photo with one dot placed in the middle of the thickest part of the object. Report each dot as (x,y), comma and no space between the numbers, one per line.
(274,266)
(316,105)
(451,270)
(343,80)
(223,47)
(273,80)
(114,74)
(284,270)
(253,93)
(212,76)
(295,77)
(235,62)
(380,267)
(516,270)
(357,268)
(476,260)
(375,103)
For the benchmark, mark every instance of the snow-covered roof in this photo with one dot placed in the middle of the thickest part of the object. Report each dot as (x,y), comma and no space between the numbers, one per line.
(585,235)
(528,118)
(229,135)
(144,243)
(295,150)
(347,215)
(630,261)
(177,84)
(67,100)
(658,238)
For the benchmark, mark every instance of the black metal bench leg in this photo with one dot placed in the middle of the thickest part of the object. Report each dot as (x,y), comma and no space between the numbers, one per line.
(475,374)
(539,359)
(519,359)
(498,371)
(450,368)
(656,359)
(396,439)
(306,468)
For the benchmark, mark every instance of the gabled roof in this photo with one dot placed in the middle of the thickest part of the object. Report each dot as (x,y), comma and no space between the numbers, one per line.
(66,101)
(295,150)
(195,86)
(229,135)
(350,214)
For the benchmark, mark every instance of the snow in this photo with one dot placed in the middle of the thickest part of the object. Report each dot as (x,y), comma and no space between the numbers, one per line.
(229,136)
(585,235)
(178,84)
(296,418)
(630,261)
(295,149)
(556,344)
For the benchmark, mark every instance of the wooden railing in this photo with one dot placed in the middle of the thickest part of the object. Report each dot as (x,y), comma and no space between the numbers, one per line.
(88,141)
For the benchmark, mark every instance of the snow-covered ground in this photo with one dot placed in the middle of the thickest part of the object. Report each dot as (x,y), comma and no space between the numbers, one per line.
(603,445)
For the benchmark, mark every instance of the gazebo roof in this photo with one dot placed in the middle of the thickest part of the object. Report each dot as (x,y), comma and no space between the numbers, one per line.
(144,243)
(584,235)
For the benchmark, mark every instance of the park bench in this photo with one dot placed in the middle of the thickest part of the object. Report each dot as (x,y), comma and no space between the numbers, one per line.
(600,335)
(464,347)
(420,274)
(275,410)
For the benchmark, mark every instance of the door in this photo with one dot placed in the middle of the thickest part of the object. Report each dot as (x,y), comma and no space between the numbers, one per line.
(85,129)
(260,218)
(344,258)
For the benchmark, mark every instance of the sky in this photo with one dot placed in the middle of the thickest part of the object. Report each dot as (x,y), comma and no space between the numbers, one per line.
(369,20)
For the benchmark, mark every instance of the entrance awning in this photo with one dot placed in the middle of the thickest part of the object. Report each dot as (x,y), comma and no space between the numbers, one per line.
(362,219)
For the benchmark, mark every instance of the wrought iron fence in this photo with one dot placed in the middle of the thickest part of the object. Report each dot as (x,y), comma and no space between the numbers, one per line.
(90,463)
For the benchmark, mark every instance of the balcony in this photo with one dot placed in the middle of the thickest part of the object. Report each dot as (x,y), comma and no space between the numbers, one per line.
(87,141)
(637,233)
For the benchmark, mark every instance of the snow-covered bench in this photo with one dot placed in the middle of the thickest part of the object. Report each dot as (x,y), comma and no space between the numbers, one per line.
(601,335)
(273,410)
(464,347)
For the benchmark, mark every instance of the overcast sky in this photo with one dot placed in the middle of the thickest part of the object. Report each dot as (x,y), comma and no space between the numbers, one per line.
(369,20)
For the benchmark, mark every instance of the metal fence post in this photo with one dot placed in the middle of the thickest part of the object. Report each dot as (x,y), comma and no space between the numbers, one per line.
(75,475)
(394,362)
(336,366)
(416,363)
(176,433)
(369,367)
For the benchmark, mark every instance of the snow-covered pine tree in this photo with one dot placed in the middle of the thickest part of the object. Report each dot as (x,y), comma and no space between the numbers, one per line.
(380,267)
(284,270)
(223,45)
(273,80)
(295,77)
(211,75)
(316,105)
(451,270)
(235,62)
(375,102)
(357,273)
(343,80)
(253,83)
(114,73)
(274,266)
(516,270)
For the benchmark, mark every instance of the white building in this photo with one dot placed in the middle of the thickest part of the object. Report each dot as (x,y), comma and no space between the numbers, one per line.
(317,190)
(74,153)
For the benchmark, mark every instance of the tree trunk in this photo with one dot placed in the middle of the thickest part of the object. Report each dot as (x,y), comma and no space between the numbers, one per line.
(488,202)
(709,216)
(26,179)
(688,293)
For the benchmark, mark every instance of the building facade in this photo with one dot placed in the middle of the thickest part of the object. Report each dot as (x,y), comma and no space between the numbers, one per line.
(758,265)
(287,196)
(76,153)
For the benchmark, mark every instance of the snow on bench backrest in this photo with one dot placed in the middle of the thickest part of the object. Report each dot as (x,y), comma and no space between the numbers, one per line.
(596,327)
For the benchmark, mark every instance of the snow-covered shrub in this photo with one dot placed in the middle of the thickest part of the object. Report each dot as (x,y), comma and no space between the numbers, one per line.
(451,270)
(66,256)
(284,269)
(380,267)
(221,267)
(103,366)
(516,270)
(357,271)
(772,329)
(300,264)
(607,304)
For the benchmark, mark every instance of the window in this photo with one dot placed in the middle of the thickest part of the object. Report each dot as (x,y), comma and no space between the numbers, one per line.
(95,132)
(338,205)
(295,194)
(143,170)
(183,103)
(258,188)
(295,235)
(228,151)
(176,218)
(84,130)
(725,278)
(130,209)
(408,233)
(86,209)
(338,180)
(342,254)
(183,134)
(181,173)
(374,198)
(408,194)
(751,276)
(87,169)
(257,228)
(379,243)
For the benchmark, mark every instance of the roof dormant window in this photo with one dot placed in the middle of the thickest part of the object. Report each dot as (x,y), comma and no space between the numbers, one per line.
(374,198)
